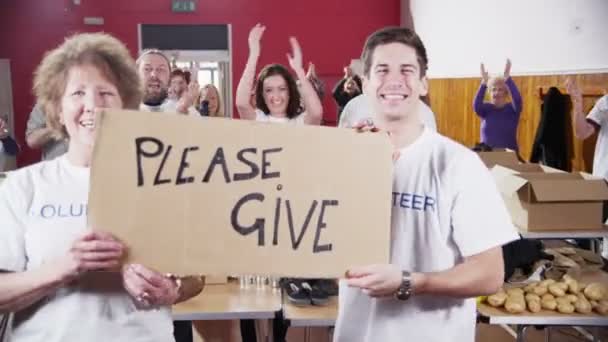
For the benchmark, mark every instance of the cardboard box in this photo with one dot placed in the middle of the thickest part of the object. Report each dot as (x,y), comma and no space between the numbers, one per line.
(500,157)
(549,201)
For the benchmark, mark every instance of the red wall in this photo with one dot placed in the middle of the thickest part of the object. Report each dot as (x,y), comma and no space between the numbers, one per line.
(331,32)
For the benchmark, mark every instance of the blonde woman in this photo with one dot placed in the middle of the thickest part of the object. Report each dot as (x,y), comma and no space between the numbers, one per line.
(210,102)
(62,278)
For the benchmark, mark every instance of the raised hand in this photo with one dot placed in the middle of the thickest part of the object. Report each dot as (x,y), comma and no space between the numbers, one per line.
(255,37)
(485,76)
(572,87)
(348,72)
(311,73)
(507,73)
(188,98)
(295,58)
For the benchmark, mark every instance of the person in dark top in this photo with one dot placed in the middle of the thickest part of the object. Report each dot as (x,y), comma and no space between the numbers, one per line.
(348,88)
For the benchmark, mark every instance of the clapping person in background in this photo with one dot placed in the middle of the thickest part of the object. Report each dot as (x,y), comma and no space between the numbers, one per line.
(277,94)
(346,89)
(499,117)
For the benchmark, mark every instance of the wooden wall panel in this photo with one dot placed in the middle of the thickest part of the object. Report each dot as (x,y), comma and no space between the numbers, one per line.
(452,102)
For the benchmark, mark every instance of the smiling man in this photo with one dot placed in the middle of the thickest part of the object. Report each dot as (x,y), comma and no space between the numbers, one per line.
(448,221)
(155,70)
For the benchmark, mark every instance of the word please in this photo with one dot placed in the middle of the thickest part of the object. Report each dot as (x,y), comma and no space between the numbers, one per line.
(153,148)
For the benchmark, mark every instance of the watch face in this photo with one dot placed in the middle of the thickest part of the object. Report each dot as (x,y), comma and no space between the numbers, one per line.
(404,291)
(403,294)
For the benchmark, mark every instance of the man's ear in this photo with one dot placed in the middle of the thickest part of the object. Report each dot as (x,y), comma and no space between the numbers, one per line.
(364,83)
(424,87)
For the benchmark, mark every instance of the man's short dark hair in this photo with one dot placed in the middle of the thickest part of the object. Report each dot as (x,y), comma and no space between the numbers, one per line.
(390,35)
(178,73)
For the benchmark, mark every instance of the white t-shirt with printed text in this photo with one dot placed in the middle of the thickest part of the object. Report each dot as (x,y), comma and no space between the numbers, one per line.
(445,207)
(43,209)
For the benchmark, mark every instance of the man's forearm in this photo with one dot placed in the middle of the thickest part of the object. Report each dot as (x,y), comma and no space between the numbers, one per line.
(582,128)
(478,275)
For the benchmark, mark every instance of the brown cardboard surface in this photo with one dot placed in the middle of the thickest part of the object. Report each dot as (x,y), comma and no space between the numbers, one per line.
(504,157)
(525,167)
(551,200)
(545,190)
(340,176)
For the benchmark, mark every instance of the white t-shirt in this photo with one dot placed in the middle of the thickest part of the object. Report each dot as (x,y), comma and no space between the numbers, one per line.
(599,115)
(359,109)
(262,117)
(43,209)
(168,106)
(445,207)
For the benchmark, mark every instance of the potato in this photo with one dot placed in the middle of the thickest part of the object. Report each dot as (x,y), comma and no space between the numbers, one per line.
(602,309)
(556,290)
(540,290)
(566,308)
(515,305)
(498,299)
(562,300)
(534,305)
(573,285)
(532,296)
(547,282)
(593,303)
(530,287)
(562,286)
(548,296)
(550,304)
(571,298)
(515,291)
(582,305)
(595,291)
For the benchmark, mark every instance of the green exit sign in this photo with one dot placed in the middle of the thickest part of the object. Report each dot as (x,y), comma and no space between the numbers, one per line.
(183,5)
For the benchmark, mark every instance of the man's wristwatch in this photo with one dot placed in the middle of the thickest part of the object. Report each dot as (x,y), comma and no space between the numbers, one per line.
(405,289)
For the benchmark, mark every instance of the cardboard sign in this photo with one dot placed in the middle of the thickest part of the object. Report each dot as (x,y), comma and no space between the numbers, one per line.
(193,195)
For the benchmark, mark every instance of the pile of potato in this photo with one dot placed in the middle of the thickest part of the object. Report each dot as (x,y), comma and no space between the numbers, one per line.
(565,296)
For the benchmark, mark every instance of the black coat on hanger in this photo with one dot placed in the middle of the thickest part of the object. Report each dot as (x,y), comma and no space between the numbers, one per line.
(552,145)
